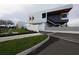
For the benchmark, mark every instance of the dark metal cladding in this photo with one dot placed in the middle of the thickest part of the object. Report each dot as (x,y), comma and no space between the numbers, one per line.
(55,18)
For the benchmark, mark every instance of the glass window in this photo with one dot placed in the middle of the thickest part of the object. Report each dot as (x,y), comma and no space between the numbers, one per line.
(44,15)
(64,15)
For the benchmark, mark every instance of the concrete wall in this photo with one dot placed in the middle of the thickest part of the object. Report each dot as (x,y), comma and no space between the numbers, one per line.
(39,22)
(42,27)
(37,18)
(36,27)
(33,27)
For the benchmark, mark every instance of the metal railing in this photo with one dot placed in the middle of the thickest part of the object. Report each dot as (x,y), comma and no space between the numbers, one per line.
(53,23)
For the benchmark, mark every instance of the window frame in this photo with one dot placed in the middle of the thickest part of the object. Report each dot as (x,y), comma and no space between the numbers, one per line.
(43,15)
(64,14)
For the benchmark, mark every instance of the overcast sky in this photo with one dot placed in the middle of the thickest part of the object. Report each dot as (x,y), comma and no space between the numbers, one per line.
(19,12)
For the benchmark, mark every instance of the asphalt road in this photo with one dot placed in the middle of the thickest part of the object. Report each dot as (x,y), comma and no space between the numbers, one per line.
(57,46)
(67,36)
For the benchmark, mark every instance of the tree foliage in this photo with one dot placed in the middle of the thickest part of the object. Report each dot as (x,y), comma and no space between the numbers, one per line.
(6,22)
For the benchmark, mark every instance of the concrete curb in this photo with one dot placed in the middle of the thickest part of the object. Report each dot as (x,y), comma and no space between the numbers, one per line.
(33,48)
(70,32)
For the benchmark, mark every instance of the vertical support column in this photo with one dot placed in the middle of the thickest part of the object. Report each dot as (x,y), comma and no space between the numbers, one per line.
(66,25)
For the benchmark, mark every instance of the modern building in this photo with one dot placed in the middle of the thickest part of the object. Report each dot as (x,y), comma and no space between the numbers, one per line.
(56,17)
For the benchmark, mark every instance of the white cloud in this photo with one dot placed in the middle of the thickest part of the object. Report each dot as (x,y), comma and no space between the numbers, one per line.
(73,23)
(10,8)
(15,20)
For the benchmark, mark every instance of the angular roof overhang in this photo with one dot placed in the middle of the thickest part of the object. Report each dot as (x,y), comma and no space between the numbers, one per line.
(59,11)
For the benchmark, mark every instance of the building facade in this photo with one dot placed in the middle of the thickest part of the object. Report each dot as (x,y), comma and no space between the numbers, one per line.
(56,17)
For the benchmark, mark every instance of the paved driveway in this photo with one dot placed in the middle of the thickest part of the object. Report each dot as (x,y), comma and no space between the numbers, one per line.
(57,46)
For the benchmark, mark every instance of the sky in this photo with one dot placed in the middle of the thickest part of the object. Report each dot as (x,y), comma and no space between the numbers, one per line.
(19,12)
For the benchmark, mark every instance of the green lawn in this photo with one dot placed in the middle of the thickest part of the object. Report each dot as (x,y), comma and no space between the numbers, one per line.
(13,47)
(20,30)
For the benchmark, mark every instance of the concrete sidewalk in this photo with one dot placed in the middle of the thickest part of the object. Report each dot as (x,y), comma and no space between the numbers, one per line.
(17,36)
